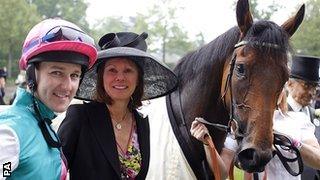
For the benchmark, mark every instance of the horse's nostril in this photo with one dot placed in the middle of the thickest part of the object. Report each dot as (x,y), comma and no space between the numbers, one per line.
(253,160)
(246,156)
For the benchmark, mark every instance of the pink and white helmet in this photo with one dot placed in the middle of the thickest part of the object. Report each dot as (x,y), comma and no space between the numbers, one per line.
(57,35)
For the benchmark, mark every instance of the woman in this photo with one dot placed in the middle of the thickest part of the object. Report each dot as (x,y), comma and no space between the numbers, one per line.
(107,138)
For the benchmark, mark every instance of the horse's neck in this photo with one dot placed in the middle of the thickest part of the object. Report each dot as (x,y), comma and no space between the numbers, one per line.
(185,111)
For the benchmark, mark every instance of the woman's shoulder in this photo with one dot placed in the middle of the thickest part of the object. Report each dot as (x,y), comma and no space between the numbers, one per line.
(77,114)
(140,115)
(84,105)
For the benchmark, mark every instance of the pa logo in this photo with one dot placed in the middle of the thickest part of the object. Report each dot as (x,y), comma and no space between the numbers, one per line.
(6,169)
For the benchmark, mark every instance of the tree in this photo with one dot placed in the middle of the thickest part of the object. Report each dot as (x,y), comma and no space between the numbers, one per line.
(139,23)
(108,25)
(167,37)
(307,40)
(265,13)
(16,17)
(200,40)
(71,10)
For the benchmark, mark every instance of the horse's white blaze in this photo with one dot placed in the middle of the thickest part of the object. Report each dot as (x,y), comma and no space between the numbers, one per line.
(167,160)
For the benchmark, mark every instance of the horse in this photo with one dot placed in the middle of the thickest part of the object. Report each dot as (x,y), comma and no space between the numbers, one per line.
(234,82)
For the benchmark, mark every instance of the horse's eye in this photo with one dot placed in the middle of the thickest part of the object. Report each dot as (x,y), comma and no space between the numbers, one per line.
(240,69)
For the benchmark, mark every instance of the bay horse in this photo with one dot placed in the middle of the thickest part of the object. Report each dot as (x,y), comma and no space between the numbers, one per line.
(235,80)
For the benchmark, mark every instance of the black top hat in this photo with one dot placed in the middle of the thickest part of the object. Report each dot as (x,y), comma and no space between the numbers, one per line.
(158,79)
(305,68)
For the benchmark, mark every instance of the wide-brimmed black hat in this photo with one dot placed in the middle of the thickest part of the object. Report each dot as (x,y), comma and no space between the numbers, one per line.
(159,80)
(305,68)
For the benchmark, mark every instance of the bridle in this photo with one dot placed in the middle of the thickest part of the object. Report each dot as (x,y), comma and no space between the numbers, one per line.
(228,86)
(232,118)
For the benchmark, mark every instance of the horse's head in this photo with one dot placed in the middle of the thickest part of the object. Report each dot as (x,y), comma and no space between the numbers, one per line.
(254,78)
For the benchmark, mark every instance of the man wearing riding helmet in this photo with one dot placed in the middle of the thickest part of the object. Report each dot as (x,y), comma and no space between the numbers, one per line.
(55,55)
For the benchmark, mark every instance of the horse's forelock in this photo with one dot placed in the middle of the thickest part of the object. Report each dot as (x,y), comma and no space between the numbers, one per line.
(269,32)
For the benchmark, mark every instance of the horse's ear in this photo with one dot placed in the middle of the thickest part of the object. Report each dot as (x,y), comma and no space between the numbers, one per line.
(244,16)
(292,24)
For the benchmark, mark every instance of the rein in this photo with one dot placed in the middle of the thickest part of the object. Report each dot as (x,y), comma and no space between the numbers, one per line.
(283,142)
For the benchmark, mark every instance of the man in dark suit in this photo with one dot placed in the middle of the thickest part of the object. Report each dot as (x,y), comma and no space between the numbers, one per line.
(302,86)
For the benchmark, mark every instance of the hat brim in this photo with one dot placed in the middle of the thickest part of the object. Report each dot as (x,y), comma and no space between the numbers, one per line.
(304,79)
(159,80)
(79,47)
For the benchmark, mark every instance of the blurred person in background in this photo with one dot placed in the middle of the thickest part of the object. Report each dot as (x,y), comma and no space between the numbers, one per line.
(19,82)
(3,76)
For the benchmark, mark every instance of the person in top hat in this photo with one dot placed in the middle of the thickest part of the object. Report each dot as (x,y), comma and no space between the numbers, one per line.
(55,55)
(108,138)
(3,76)
(302,86)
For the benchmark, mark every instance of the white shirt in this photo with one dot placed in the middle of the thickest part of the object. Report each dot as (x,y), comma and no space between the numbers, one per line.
(296,107)
(9,148)
(167,160)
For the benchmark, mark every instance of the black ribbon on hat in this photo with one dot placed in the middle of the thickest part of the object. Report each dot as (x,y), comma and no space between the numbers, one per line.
(111,40)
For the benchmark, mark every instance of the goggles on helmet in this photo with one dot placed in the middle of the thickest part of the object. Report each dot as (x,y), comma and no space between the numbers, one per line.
(60,33)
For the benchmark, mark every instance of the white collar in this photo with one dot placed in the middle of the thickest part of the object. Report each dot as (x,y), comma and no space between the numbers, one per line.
(294,104)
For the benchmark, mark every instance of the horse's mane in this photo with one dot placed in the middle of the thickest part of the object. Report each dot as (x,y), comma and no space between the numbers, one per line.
(268,32)
(202,69)
(217,51)
(200,72)
(207,59)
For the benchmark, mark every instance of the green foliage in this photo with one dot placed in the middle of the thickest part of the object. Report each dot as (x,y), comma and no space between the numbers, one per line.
(139,23)
(307,40)
(107,25)
(71,10)
(265,13)
(167,37)
(16,17)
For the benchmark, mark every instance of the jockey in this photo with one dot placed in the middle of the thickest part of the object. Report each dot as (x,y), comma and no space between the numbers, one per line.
(55,55)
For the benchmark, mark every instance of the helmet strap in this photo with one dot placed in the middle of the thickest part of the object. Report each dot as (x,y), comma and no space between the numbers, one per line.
(43,124)
(31,77)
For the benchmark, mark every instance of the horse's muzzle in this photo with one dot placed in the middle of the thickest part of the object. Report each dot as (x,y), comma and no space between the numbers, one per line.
(253,159)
